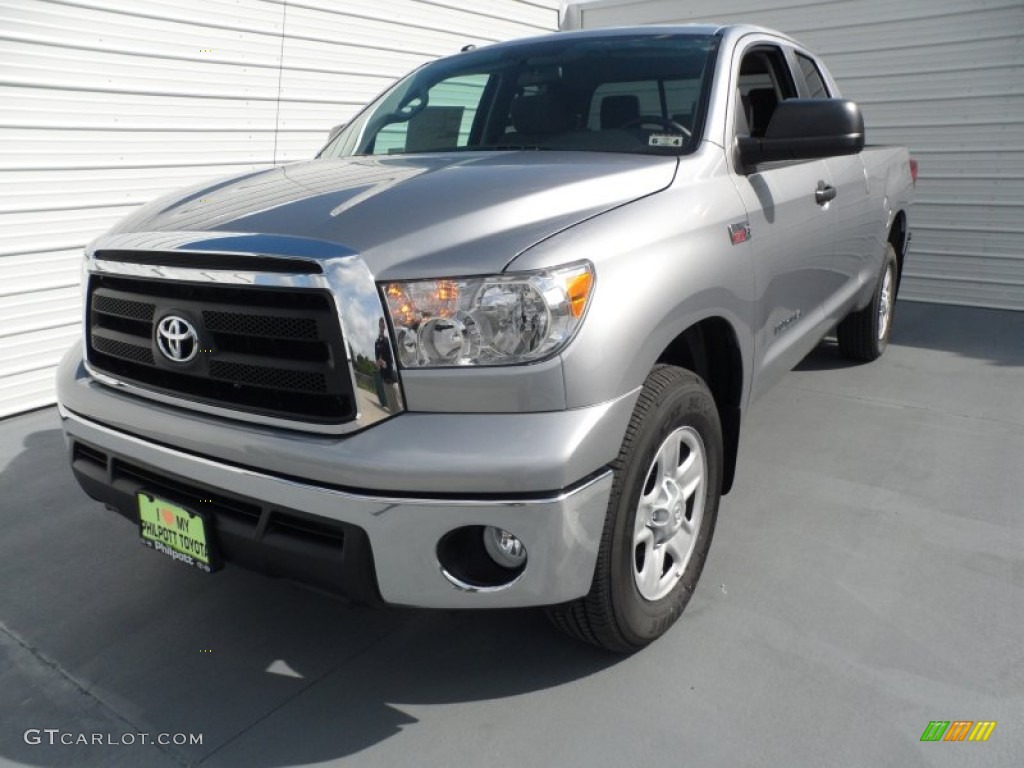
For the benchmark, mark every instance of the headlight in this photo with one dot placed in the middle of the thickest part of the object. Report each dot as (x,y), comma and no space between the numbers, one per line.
(500,320)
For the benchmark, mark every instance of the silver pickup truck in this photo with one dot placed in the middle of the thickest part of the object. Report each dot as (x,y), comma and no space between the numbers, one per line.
(492,347)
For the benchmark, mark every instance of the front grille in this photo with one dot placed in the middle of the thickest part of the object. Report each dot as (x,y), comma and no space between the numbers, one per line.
(272,351)
(261,325)
(275,378)
(133,310)
(123,350)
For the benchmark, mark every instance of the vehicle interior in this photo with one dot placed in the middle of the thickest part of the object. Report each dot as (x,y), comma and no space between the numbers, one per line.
(763,82)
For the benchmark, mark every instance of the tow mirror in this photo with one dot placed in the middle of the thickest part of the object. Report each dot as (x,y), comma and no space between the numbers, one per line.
(805,129)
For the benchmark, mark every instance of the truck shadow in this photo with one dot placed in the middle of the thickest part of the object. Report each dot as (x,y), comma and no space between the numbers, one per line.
(104,636)
(990,335)
(825,357)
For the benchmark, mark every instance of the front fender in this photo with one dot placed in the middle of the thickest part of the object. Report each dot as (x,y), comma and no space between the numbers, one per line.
(662,264)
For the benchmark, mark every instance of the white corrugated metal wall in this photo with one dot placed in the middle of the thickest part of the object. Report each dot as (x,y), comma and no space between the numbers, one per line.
(108,103)
(945,78)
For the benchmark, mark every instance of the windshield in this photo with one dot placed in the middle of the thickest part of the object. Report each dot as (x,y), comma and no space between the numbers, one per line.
(623,93)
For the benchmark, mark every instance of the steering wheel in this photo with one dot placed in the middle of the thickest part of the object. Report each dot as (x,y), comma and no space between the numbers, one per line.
(664,122)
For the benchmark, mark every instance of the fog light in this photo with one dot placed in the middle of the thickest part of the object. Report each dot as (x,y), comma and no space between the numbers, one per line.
(504,548)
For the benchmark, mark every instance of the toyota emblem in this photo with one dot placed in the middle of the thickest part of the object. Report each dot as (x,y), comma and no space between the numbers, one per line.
(177,339)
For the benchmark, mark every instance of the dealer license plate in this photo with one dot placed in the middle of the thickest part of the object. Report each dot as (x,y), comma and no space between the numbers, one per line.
(176,532)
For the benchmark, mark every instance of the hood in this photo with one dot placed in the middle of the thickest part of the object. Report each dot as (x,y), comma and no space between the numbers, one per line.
(415,216)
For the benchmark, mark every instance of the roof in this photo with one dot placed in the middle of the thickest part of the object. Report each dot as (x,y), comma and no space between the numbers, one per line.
(653,30)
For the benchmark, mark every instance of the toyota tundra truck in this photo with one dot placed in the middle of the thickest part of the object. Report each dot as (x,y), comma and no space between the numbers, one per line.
(493,345)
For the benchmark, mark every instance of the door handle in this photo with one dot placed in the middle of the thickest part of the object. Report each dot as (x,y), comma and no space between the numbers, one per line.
(824,193)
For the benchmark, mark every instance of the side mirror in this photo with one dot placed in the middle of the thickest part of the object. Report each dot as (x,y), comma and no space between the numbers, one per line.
(805,129)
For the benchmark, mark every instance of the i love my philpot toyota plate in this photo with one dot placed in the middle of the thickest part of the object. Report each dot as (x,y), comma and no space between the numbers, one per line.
(178,533)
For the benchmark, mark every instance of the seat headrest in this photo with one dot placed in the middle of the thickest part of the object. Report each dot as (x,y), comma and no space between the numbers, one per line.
(616,111)
(762,104)
(540,114)
(745,114)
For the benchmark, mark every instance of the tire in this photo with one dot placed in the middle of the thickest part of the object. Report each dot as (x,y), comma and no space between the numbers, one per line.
(864,335)
(641,586)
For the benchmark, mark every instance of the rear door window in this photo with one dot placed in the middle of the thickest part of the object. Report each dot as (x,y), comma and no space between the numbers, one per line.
(816,88)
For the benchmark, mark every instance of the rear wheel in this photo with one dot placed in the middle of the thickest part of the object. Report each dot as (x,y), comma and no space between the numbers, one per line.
(864,335)
(660,520)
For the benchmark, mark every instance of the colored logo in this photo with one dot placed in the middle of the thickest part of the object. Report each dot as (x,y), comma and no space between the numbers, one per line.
(958,730)
(177,339)
(739,232)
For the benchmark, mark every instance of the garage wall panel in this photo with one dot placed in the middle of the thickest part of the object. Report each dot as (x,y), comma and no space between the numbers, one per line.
(23,274)
(108,104)
(339,56)
(943,77)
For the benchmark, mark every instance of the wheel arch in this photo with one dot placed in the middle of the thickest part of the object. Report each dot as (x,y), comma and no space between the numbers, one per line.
(710,348)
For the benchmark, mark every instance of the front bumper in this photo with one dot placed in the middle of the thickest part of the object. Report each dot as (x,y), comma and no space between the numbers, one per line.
(411,454)
(391,541)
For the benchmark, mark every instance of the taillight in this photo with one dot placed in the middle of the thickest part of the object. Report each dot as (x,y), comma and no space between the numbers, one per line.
(913,171)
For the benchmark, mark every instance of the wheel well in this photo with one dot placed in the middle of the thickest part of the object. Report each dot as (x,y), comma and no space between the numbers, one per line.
(710,350)
(900,240)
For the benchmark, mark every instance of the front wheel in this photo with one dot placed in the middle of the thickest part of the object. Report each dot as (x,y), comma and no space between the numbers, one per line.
(864,335)
(660,520)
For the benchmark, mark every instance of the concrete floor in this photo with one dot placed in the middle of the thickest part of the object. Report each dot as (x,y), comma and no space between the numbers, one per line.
(866,578)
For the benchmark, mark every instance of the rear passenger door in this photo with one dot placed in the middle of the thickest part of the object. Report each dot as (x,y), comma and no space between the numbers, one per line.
(789,230)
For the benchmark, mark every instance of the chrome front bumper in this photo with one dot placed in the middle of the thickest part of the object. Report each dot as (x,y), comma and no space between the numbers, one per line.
(561,531)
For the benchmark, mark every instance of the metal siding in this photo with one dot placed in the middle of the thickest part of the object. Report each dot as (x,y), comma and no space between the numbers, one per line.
(945,79)
(111,103)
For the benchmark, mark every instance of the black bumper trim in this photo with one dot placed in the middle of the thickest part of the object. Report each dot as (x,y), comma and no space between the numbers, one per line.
(280,542)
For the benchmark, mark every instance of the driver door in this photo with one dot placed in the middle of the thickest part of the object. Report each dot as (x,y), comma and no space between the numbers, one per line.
(789,230)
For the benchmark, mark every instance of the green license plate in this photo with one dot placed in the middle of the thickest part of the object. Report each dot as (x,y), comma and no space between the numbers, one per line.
(176,532)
